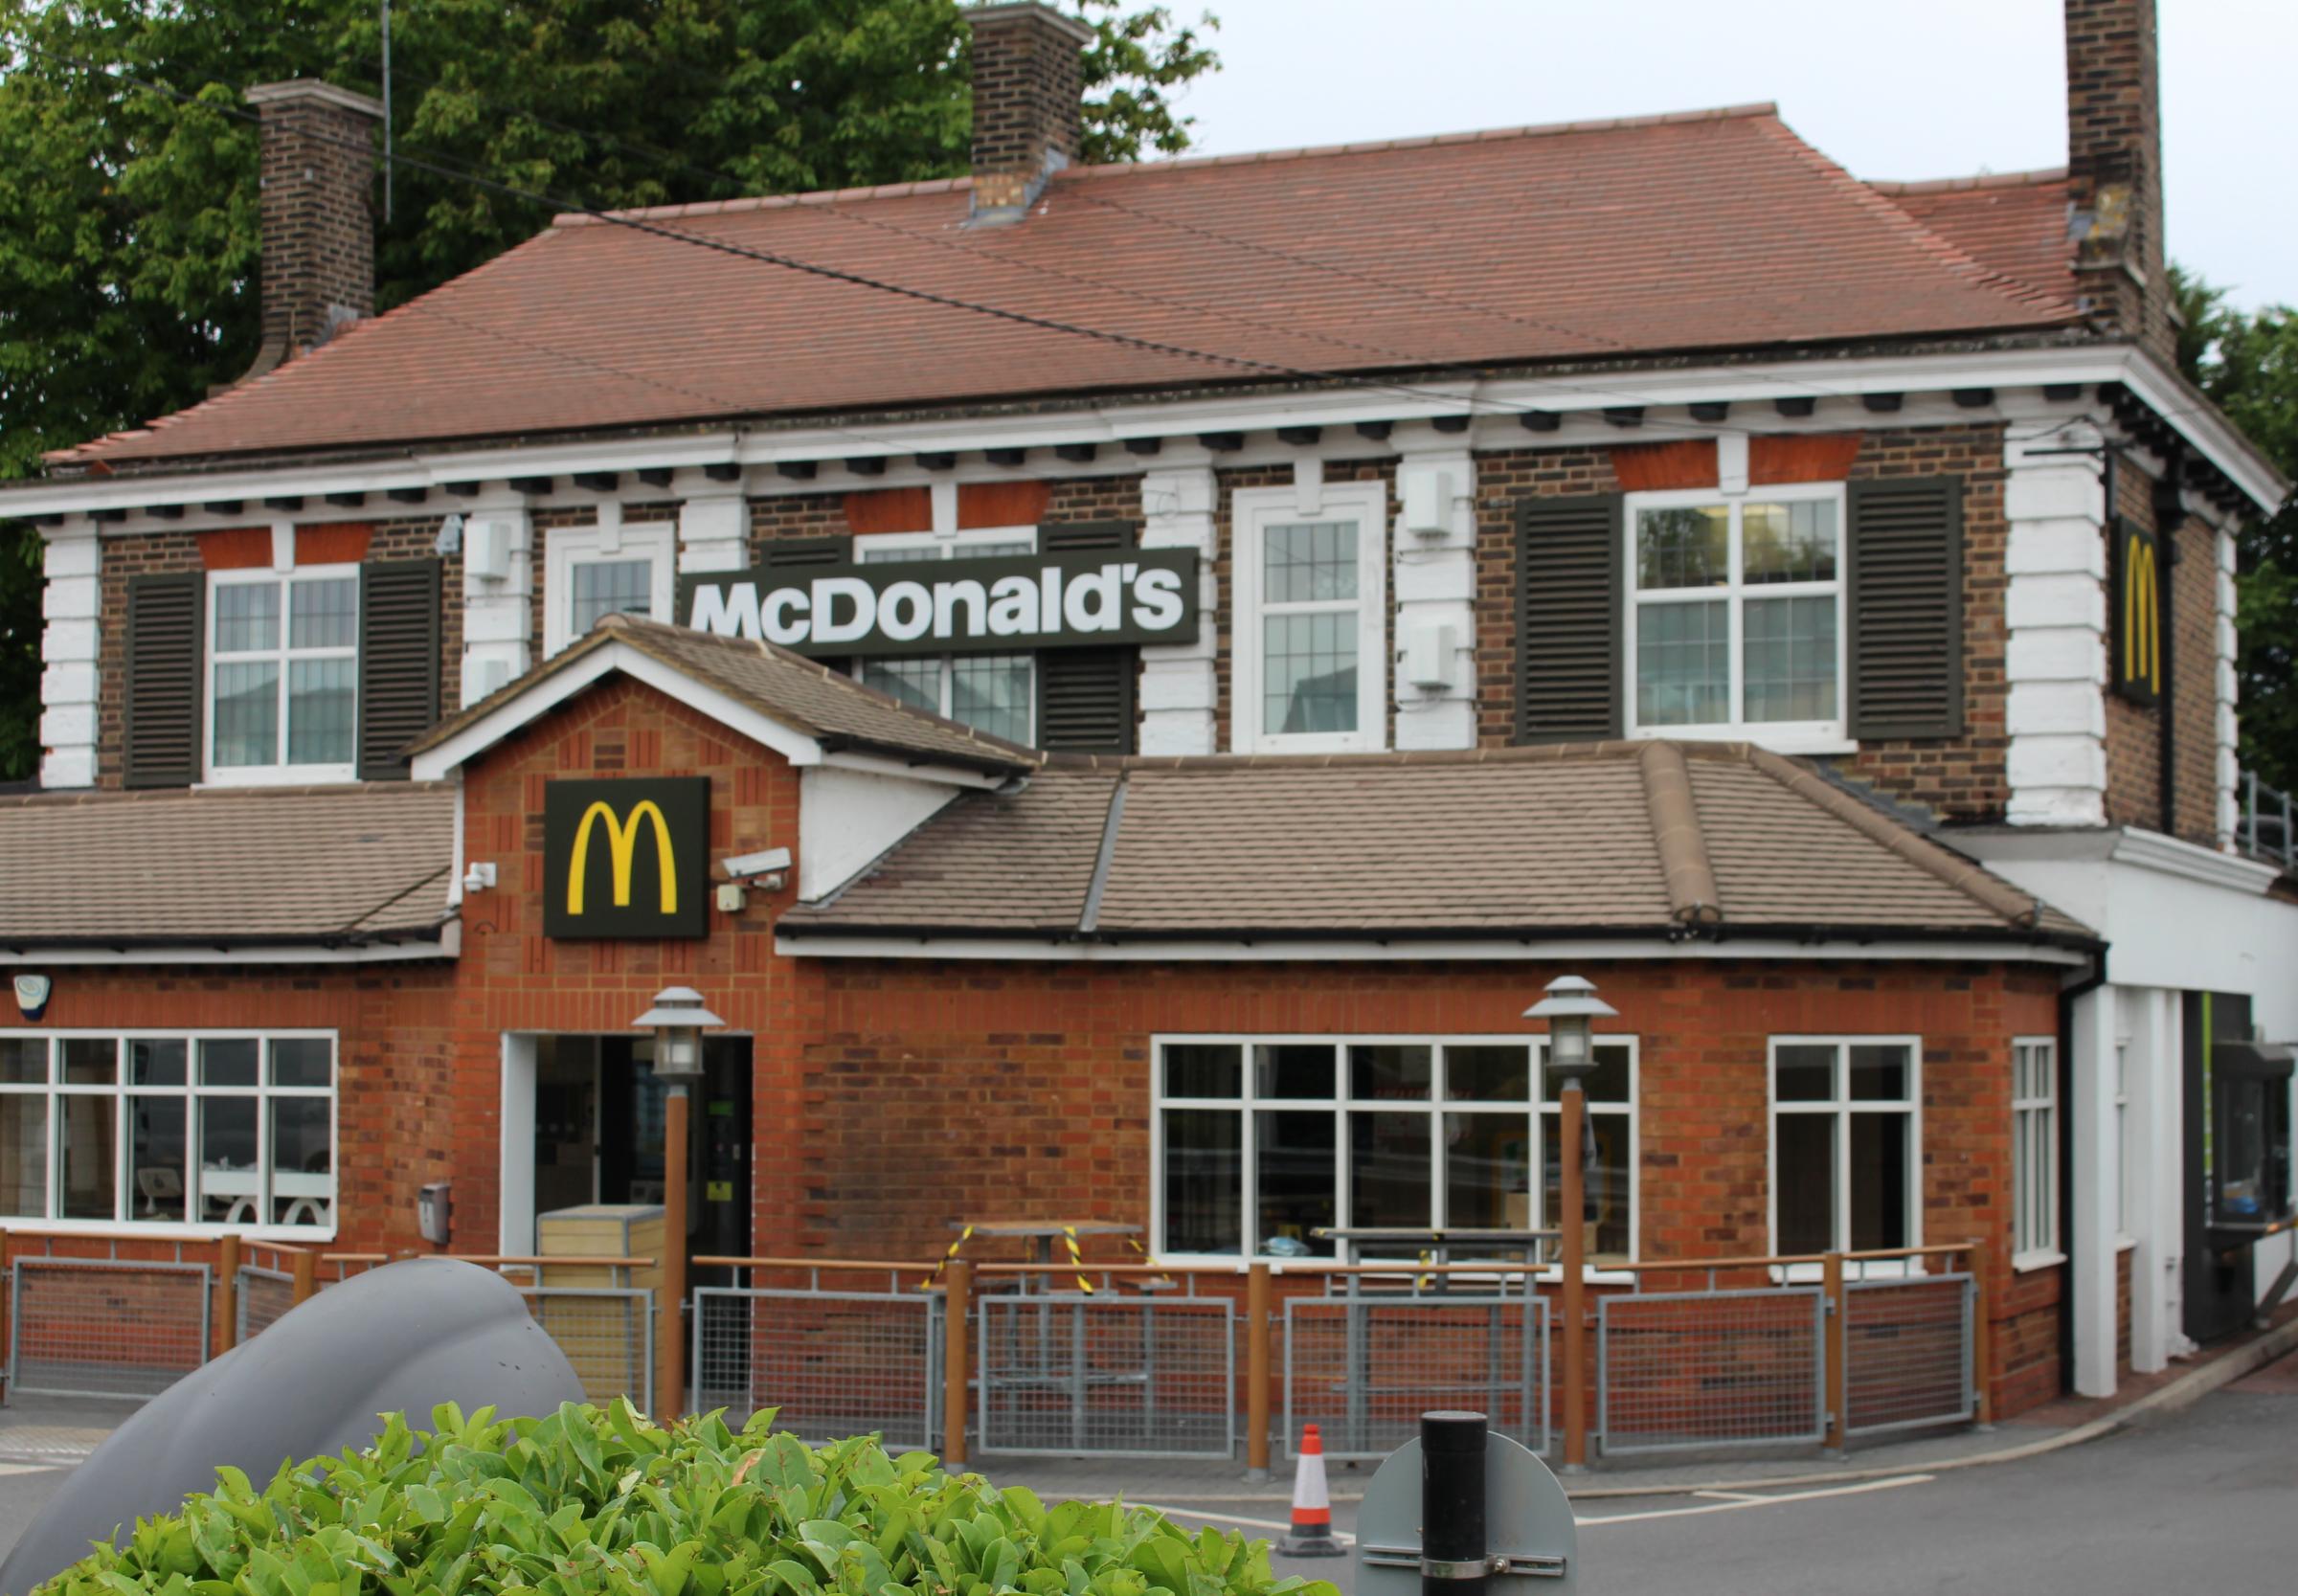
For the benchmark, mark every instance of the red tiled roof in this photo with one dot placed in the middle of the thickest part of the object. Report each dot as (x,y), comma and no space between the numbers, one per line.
(2012,222)
(1710,230)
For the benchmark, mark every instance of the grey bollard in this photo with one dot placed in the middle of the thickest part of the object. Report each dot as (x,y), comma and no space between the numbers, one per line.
(401,1338)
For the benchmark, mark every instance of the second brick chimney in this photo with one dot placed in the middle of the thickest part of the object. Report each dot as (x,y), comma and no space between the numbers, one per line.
(319,230)
(1028,90)
(2115,163)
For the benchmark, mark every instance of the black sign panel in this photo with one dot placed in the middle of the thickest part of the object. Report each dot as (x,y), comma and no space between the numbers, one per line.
(2137,621)
(1003,604)
(626,859)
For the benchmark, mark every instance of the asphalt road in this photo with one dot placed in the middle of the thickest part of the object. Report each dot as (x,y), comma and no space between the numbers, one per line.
(2203,1501)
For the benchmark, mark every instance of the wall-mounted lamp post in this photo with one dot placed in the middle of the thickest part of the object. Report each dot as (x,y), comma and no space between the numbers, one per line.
(1571,1008)
(677,1019)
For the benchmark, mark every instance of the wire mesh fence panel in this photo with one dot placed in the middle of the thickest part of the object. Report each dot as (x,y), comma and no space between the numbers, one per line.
(102,1327)
(1363,1369)
(607,1333)
(1109,1375)
(264,1294)
(1684,1370)
(835,1364)
(1907,1353)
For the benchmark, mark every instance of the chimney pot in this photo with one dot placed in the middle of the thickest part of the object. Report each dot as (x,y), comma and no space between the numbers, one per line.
(319,238)
(1028,92)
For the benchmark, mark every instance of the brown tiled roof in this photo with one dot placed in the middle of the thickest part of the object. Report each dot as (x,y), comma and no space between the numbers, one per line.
(2015,223)
(222,868)
(1643,839)
(1709,231)
(835,710)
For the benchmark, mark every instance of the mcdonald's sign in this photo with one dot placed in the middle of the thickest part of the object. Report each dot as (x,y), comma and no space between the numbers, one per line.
(626,859)
(2137,619)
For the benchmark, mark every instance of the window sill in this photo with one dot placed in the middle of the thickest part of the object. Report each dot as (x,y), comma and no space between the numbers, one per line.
(171,1229)
(1810,745)
(2026,1263)
(1854,1272)
(280,776)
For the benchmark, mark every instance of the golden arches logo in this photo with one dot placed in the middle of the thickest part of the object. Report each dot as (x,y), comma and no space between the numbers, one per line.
(621,846)
(2142,614)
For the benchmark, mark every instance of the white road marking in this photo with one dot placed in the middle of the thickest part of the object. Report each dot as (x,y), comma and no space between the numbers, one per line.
(1342,1535)
(1728,1495)
(1762,1502)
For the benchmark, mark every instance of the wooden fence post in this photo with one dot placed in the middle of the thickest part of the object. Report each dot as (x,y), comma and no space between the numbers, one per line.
(227,1294)
(306,1277)
(958,1295)
(1982,1337)
(1258,1332)
(1835,1345)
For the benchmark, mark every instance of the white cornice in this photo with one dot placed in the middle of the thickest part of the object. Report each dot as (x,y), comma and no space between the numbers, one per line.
(2152,851)
(1498,406)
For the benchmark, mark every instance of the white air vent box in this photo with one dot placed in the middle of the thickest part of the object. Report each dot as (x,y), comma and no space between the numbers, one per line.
(486,549)
(1427,652)
(1428,503)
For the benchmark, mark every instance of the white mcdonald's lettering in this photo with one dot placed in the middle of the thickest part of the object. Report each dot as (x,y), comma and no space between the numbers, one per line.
(835,610)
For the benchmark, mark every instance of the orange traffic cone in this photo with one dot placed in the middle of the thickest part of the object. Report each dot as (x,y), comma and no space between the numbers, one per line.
(1312,1534)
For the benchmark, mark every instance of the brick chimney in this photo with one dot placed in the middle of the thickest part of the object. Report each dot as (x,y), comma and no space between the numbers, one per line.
(1029,85)
(319,231)
(2115,163)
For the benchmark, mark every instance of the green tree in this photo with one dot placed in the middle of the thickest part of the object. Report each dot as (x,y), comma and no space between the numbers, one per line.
(129,227)
(2248,362)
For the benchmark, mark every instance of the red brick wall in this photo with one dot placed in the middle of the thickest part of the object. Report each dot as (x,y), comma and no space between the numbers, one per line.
(2122,1311)
(2134,732)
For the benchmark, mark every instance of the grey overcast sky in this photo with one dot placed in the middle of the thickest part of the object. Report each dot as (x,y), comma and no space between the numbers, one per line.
(1890,88)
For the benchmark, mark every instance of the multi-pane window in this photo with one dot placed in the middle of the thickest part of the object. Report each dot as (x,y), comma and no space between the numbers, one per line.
(995,693)
(168,1129)
(2035,1149)
(1263,1143)
(1310,647)
(1737,614)
(1844,1165)
(590,573)
(283,671)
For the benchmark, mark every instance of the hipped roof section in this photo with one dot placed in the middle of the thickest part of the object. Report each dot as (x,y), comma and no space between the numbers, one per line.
(316,866)
(1707,230)
(835,711)
(1646,840)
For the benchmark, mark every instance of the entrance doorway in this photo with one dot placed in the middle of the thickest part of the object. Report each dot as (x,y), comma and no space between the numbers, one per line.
(594,1114)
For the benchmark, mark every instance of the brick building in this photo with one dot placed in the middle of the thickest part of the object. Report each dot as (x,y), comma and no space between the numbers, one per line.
(1143,673)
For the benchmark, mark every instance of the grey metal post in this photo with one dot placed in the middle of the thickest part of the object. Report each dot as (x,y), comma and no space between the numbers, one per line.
(1452,1549)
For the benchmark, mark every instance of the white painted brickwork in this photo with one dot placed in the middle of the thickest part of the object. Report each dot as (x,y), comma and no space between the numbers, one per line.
(69,641)
(1434,578)
(2056,610)
(1178,687)
(498,618)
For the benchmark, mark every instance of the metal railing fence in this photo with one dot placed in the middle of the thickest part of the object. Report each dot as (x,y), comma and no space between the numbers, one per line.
(1691,1370)
(607,1333)
(2264,827)
(834,1361)
(105,1327)
(1363,1367)
(1111,1373)
(1907,1351)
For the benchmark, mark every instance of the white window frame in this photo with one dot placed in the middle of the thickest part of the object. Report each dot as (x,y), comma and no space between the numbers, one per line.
(124,1197)
(1249,1103)
(943,547)
(2034,1128)
(1826,736)
(1842,1106)
(279,773)
(1252,511)
(606,541)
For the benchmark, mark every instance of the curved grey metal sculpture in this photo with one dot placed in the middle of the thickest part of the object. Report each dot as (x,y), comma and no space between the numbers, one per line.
(401,1338)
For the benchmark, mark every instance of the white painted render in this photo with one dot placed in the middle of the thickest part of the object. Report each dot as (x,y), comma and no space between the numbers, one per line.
(498,613)
(847,820)
(2055,609)
(1178,688)
(71,635)
(1434,580)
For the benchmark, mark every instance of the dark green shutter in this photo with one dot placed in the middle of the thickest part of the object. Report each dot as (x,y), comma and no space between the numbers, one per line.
(791,554)
(166,647)
(1904,608)
(1084,696)
(1569,664)
(781,553)
(400,623)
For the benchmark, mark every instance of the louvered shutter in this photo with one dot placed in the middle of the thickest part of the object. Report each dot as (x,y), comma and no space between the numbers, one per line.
(1905,609)
(165,648)
(1569,664)
(400,623)
(1084,696)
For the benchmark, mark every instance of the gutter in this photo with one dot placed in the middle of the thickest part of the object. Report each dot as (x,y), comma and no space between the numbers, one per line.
(1809,934)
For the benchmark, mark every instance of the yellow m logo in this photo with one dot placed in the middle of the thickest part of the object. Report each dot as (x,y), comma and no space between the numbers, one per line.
(621,842)
(2142,614)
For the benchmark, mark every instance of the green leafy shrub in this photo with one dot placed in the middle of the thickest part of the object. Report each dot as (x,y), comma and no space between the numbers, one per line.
(601,1501)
